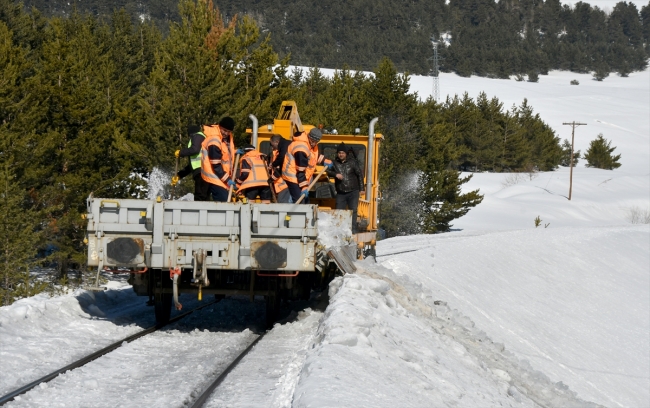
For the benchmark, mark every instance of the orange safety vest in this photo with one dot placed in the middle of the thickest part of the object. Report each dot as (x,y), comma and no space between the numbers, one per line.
(278,184)
(213,138)
(257,176)
(314,159)
(289,168)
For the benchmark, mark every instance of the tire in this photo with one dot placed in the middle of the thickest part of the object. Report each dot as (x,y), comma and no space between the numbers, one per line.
(162,301)
(272,309)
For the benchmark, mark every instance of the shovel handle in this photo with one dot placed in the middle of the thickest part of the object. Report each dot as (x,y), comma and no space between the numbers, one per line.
(312,184)
(175,173)
(234,171)
(275,197)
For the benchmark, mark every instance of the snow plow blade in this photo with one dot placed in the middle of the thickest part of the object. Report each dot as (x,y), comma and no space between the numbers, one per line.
(344,257)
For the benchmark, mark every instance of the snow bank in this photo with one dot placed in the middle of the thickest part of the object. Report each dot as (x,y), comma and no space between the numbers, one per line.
(382,344)
(573,302)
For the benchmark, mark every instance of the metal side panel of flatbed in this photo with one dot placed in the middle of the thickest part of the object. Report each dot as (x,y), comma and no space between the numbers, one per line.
(232,236)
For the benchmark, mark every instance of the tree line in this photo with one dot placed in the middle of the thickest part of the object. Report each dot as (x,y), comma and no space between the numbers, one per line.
(91,106)
(478,37)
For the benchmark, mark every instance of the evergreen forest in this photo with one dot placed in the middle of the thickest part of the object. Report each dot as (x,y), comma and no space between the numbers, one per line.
(477,37)
(93,106)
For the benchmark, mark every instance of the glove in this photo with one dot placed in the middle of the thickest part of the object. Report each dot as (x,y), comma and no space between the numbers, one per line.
(231,183)
(174,180)
(328,165)
(304,192)
(240,152)
(270,180)
(177,153)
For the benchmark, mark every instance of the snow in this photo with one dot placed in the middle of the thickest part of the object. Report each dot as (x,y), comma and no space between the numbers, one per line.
(496,313)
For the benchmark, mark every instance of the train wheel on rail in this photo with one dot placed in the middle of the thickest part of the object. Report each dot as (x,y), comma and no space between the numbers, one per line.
(272,308)
(162,300)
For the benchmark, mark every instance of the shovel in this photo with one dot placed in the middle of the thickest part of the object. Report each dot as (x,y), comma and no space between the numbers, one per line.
(175,173)
(312,184)
(234,171)
(268,177)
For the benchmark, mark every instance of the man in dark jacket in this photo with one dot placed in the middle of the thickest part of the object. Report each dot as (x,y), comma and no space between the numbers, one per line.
(348,182)
(193,151)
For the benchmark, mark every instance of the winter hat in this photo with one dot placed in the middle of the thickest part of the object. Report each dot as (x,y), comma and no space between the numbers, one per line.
(248,148)
(192,129)
(227,123)
(341,148)
(315,134)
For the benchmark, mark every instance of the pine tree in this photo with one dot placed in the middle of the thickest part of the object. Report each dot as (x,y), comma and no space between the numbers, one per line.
(566,155)
(19,229)
(599,154)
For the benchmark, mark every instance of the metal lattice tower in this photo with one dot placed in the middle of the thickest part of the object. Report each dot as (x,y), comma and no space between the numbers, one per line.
(435,92)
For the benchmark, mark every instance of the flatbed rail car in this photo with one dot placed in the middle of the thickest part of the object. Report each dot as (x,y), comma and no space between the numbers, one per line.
(221,249)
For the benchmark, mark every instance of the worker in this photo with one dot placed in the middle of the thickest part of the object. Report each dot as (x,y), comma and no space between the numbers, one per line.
(300,163)
(348,180)
(252,179)
(217,155)
(193,152)
(279,146)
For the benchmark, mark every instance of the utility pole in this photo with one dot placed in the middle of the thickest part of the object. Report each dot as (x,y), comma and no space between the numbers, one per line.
(435,92)
(573,130)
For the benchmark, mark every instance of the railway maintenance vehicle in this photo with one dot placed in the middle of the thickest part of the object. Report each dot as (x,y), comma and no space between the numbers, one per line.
(278,251)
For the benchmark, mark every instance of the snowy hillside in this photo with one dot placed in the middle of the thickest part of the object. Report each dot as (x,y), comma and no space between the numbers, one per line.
(497,313)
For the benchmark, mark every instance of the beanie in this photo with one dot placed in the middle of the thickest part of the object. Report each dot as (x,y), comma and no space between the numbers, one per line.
(315,134)
(341,148)
(192,129)
(248,148)
(227,123)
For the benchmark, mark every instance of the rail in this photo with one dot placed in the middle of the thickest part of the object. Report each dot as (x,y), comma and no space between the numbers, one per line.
(210,389)
(83,361)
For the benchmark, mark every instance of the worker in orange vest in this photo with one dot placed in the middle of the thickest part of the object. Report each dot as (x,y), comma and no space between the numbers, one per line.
(300,163)
(252,179)
(279,146)
(217,155)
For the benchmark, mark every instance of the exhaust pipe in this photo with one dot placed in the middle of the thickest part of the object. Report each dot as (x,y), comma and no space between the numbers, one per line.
(371,153)
(255,127)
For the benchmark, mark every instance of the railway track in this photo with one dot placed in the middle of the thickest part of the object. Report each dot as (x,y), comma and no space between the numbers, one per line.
(195,364)
(85,360)
(201,400)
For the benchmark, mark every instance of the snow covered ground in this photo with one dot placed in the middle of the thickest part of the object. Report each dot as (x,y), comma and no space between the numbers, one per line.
(497,313)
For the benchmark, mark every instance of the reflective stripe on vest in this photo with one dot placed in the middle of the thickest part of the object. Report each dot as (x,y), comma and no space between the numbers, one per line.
(195,160)
(257,176)
(289,170)
(213,138)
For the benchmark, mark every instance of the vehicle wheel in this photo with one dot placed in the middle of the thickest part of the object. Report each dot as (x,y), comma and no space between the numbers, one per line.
(272,309)
(162,301)
(370,251)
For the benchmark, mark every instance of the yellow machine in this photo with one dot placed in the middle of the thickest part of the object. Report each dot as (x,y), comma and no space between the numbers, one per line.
(365,148)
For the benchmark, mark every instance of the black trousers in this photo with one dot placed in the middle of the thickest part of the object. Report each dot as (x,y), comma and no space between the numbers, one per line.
(201,189)
(264,192)
(349,201)
(294,190)
(218,193)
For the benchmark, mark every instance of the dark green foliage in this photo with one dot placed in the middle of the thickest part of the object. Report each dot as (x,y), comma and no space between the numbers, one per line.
(566,155)
(488,37)
(599,154)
